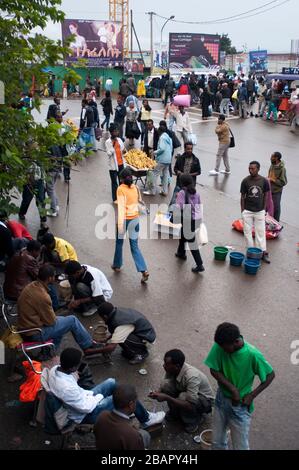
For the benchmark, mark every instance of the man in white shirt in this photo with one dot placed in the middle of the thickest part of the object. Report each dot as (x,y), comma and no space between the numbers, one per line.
(90,288)
(183,124)
(84,406)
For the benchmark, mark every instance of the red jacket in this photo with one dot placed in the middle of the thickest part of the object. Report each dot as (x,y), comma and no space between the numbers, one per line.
(18,230)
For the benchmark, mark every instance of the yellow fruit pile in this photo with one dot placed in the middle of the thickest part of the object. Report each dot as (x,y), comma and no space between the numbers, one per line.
(73,128)
(138,159)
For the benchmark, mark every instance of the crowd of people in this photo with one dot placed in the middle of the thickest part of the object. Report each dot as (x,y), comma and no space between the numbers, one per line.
(33,269)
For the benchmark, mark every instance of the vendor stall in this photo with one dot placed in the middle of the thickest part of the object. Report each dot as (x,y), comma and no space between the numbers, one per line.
(140,164)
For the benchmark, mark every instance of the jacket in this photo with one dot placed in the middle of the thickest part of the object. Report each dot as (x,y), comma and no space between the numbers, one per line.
(88,119)
(120,113)
(6,246)
(243,94)
(279,174)
(106,104)
(223,133)
(179,166)
(164,151)
(112,160)
(21,270)
(182,122)
(156,140)
(128,316)
(115,432)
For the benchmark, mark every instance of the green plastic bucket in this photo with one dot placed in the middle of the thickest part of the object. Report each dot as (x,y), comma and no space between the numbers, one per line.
(220,253)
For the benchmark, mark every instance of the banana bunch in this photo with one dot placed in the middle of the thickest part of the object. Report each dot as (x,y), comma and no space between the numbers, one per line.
(138,159)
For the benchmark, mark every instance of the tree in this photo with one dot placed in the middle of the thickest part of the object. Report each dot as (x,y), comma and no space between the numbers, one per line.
(226,45)
(24,55)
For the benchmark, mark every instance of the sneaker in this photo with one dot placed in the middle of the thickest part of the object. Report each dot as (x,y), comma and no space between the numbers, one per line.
(115,269)
(138,359)
(52,214)
(266,258)
(148,193)
(191,428)
(145,277)
(224,172)
(91,311)
(57,209)
(198,269)
(183,257)
(213,173)
(154,418)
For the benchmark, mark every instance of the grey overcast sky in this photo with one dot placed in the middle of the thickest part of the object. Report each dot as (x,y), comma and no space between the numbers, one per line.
(272,30)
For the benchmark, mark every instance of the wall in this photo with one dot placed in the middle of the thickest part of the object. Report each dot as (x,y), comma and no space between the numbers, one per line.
(276,62)
(115,74)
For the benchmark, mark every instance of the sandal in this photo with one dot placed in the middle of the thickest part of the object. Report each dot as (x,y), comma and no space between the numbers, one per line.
(145,276)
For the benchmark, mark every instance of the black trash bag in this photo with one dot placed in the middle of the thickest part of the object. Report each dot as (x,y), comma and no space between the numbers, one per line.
(85,377)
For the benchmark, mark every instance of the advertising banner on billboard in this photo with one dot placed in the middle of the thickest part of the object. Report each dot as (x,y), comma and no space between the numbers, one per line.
(100,43)
(241,63)
(134,66)
(194,52)
(258,61)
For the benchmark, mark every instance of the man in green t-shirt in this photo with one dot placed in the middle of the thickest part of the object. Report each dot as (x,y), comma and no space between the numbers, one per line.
(234,364)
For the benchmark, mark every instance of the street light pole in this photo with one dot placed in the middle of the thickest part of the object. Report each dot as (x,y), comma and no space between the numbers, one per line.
(169,19)
(151,13)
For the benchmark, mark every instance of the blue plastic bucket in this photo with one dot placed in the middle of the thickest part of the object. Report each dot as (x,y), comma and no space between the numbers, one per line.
(252,266)
(236,259)
(254,253)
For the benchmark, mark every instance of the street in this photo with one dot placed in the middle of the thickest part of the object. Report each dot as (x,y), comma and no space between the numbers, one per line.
(185,308)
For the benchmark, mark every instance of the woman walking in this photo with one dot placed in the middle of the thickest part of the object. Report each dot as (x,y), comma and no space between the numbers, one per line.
(128,196)
(132,128)
(205,100)
(188,201)
(144,116)
(106,104)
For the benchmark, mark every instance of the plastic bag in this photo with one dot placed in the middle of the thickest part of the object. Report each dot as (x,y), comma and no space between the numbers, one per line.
(202,235)
(191,138)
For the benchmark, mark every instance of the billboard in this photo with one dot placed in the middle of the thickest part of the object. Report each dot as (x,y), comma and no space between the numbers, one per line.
(258,61)
(161,55)
(134,66)
(241,63)
(192,51)
(98,42)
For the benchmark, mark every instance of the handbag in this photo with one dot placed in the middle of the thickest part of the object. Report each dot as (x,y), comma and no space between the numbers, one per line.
(175,141)
(232,140)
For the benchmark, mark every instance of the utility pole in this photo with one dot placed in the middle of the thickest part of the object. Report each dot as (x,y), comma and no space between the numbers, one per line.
(131,34)
(151,13)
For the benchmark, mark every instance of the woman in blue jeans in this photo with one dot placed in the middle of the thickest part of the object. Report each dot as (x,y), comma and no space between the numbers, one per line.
(128,196)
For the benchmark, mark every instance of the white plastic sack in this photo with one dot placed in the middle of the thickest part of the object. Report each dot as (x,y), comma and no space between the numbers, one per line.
(192,139)
(202,235)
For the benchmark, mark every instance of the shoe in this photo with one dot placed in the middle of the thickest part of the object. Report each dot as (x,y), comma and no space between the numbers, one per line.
(116,270)
(95,348)
(266,258)
(91,311)
(57,209)
(145,277)
(22,217)
(154,418)
(198,269)
(213,173)
(148,193)
(251,114)
(138,359)
(183,257)
(256,115)
(67,180)
(171,417)
(191,428)
(163,194)
(52,214)
(224,172)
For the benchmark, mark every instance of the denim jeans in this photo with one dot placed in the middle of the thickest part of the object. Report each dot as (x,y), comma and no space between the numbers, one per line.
(61,327)
(132,226)
(54,296)
(37,190)
(106,389)
(235,418)
(50,188)
(106,121)
(224,106)
(114,176)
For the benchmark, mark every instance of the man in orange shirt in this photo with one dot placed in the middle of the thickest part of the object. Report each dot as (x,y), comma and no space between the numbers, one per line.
(115,148)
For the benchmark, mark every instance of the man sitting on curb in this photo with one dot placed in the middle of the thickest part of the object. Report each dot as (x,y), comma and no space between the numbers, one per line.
(90,288)
(186,390)
(84,406)
(35,311)
(113,430)
(130,329)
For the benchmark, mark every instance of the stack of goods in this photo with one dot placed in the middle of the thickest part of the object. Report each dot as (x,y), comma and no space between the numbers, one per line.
(138,160)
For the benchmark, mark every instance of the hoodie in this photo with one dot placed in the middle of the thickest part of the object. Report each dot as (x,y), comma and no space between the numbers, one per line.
(279,174)
(76,400)
(164,150)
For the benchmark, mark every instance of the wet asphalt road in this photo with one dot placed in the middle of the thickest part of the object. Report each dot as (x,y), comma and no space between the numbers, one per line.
(184,308)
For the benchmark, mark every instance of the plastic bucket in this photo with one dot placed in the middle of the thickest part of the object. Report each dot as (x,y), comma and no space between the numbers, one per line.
(206,439)
(236,259)
(254,253)
(220,253)
(252,266)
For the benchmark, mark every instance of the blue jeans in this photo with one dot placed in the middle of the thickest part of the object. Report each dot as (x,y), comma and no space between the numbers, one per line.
(54,296)
(61,327)
(132,226)
(235,418)
(106,389)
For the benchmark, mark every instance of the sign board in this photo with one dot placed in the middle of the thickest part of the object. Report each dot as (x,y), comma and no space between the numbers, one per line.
(258,61)
(100,43)
(291,70)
